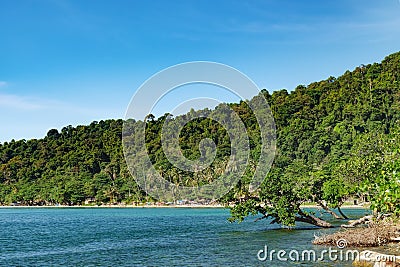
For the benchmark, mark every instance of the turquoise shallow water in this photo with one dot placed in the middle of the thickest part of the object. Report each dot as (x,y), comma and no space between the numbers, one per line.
(145,237)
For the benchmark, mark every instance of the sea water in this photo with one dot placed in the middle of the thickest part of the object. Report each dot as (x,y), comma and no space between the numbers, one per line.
(151,237)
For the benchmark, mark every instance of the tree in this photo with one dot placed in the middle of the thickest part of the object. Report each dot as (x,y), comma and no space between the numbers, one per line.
(332,136)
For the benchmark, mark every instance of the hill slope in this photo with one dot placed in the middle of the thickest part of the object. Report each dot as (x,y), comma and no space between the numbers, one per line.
(318,129)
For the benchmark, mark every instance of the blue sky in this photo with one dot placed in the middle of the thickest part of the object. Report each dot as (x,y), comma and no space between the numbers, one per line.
(75,61)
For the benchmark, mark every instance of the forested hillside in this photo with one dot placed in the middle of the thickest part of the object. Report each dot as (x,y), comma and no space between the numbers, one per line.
(335,138)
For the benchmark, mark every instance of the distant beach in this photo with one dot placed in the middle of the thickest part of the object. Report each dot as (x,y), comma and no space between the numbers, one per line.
(116,206)
(160,206)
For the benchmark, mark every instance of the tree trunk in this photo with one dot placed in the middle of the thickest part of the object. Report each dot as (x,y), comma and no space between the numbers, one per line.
(362,220)
(311,219)
(331,212)
(341,213)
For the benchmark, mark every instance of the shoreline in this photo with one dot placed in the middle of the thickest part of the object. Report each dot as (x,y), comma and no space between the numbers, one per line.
(342,207)
(218,206)
(114,206)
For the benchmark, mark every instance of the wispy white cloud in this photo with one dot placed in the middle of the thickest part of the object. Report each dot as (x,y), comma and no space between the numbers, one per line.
(19,102)
(257,27)
(31,116)
(52,106)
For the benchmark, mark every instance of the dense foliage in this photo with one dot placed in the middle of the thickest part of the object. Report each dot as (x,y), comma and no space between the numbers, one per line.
(335,138)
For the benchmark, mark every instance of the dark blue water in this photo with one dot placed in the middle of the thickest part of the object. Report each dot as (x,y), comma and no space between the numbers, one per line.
(144,237)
